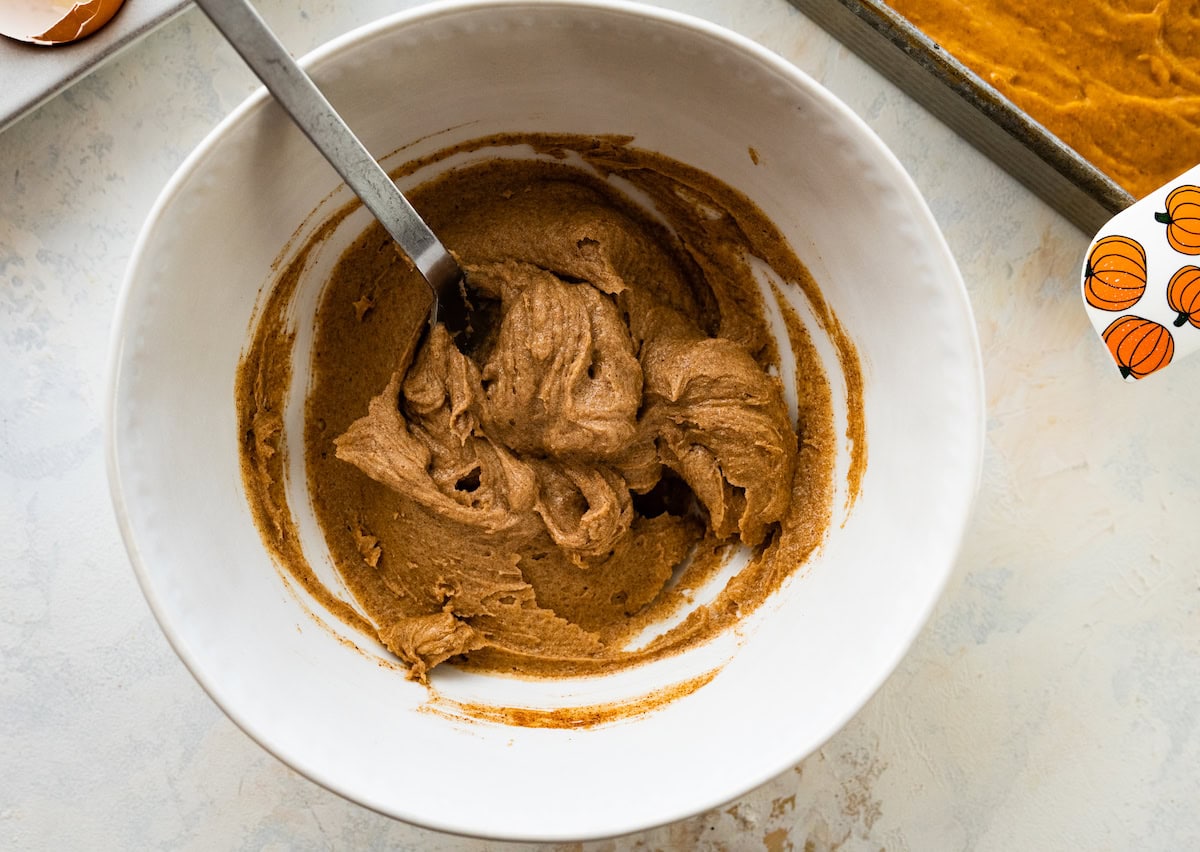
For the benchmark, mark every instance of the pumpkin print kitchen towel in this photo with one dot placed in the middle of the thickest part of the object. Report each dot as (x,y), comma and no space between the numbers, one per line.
(1141,279)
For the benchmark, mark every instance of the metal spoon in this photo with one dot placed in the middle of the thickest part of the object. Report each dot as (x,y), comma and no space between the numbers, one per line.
(295,91)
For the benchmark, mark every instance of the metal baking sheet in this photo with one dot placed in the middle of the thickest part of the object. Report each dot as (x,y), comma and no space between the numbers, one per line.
(31,74)
(972,108)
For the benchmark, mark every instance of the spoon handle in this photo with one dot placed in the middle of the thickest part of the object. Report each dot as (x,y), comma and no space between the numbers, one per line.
(250,36)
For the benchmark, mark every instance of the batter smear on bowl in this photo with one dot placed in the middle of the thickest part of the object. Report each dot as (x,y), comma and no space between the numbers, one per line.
(536,504)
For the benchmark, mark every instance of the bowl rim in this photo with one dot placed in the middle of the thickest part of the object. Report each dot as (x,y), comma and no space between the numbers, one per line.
(967,484)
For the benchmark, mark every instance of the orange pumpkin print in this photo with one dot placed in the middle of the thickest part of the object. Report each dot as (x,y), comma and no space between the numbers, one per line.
(1183,295)
(1182,219)
(1139,346)
(1115,276)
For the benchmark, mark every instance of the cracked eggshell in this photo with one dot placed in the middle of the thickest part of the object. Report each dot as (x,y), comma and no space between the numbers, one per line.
(52,22)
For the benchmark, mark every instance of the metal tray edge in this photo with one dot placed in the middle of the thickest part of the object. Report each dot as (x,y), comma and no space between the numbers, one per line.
(47,71)
(971,107)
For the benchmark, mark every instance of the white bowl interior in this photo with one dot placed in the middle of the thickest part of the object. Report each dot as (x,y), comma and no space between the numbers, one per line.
(816,652)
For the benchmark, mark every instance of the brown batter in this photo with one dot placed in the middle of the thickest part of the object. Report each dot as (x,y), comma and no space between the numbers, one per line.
(535,504)
(1117,80)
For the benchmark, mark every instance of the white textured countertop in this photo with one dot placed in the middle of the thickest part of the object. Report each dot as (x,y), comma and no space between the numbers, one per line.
(1053,701)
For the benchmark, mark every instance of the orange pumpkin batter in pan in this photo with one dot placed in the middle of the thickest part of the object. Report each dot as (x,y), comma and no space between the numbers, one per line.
(1117,80)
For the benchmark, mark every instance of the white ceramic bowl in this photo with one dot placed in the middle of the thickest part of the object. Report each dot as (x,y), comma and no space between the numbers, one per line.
(802,665)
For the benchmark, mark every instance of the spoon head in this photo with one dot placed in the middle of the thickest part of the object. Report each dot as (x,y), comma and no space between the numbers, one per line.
(450,306)
(483,325)
(471,318)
